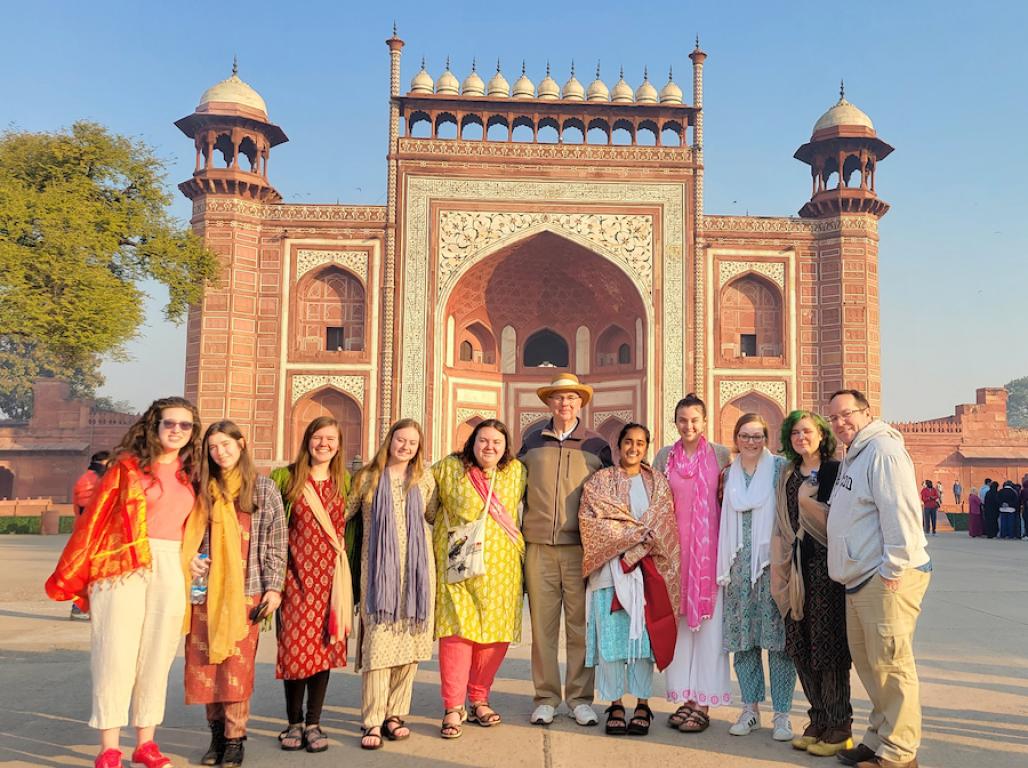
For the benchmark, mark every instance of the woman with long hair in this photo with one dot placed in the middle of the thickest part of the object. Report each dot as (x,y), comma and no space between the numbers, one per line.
(751,618)
(236,537)
(699,676)
(122,563)
(477,618)
(630,560)
(395,496)
(315,617)
(813,606)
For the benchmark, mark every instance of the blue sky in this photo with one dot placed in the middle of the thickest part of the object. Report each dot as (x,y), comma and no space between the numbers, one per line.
(944,83)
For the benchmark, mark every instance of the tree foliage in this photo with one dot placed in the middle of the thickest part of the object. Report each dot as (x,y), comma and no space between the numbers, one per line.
(1017,402)
(83,221)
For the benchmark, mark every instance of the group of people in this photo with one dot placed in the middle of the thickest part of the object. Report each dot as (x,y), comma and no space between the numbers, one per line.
(687,565)
(999,510)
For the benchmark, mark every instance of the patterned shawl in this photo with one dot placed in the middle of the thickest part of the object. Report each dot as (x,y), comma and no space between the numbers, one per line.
(109,540)
(609,529)
(699,583)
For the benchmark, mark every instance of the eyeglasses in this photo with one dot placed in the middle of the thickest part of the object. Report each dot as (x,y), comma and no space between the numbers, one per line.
(844,415)
(184,426)
(751,438)
(564,398)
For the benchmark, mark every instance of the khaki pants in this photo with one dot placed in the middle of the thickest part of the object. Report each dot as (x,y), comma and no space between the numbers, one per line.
(234,714)
(553,577)
(880,628)
(386,692)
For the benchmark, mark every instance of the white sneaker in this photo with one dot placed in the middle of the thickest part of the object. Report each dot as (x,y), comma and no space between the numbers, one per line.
(584,715)
(749,721)
(543,715)
(782,727)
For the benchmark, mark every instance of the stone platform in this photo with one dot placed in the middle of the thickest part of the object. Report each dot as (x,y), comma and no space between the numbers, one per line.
(971,649)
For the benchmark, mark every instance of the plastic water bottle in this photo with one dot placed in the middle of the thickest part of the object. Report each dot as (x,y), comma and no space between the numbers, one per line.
(198,589)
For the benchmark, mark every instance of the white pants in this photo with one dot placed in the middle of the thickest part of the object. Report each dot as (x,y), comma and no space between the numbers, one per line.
(136,628)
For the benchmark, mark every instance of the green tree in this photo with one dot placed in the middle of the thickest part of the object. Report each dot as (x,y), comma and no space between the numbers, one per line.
(1017,402)
(83,221)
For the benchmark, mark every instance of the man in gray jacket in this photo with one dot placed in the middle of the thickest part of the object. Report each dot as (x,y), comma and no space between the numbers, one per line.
(877,550)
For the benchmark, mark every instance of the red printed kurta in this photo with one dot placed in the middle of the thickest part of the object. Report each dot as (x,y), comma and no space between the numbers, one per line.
(232,679)
(303,645)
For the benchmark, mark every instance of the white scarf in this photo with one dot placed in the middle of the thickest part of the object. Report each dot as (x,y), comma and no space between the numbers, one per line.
(759,500)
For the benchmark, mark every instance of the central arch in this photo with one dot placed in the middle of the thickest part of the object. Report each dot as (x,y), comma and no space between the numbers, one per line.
(545,300)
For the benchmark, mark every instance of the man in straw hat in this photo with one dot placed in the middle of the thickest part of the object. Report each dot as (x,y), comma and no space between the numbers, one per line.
(560,458)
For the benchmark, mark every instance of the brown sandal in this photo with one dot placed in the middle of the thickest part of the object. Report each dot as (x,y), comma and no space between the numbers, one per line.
(392,725)
(369,735)
(489,719)
(696,722)
(679,716)
(450,730)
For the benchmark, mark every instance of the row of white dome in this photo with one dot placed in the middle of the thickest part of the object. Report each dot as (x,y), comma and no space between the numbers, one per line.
(524,88)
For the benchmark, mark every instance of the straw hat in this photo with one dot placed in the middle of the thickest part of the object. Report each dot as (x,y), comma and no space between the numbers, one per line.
(566,382)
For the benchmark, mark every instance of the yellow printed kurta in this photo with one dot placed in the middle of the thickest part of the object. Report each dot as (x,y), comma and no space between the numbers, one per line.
(487,608)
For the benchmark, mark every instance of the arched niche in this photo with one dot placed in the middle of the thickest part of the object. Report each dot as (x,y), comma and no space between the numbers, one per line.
(610,429)
(751,402)
(464,430)
(476,345)
(508,349)
(546,348)
(6,483)
(331,312)
(609,344)
(751,321)
(329,401)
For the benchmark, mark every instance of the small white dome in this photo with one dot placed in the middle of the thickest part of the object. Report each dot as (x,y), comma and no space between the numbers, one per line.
(232,90)
(598,89)
(498,85)
(670,93)
(422,82)
(447,84)
(843,114)
(646,93)
(473,85)
(622,93)
(548,88)
(523,87)
(573,90)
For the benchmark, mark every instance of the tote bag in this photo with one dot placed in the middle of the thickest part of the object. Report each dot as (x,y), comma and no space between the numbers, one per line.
(465,545)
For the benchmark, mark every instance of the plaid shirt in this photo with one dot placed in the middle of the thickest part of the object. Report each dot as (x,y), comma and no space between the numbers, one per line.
(269,539)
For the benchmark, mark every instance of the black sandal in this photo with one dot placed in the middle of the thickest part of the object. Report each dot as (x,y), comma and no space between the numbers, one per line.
(316,739)
(616,723)
(291,739)
(391,725)
(639,725)
(367,734)
(697,722)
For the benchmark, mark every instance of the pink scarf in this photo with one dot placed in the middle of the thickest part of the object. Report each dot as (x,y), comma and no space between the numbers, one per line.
(496,509)
(699,572)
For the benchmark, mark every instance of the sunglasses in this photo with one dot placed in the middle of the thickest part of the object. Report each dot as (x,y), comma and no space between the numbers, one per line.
(184,426)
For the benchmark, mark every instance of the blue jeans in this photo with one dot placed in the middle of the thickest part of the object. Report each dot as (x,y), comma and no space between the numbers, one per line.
(929,519)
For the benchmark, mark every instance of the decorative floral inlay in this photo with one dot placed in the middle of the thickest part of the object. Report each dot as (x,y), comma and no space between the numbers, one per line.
(355,261)
(729,390)
(351,385)
(626,416)
(774,270)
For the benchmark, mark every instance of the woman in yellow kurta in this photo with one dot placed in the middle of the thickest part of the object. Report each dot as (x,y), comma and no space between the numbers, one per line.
(476,619)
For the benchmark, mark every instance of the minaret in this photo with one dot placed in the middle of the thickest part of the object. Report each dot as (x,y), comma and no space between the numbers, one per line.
(699,245)
(228,330)
(847,207)
(389,273)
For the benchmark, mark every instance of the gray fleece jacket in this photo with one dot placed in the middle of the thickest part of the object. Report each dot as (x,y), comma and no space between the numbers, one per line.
(874,519)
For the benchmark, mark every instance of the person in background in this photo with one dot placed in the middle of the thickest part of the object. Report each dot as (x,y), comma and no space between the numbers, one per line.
(984,489)
(124,561)
(699,676)
(82,493)
(878,551)
(1023,498)
(990,505)
(752,621)
(478,618)
(1009,522)
(930,506)
(395,498)
(316,615)
(975,526)
(813,606)
(630,557)
(942,494)
(958,494)
(236,538)
(559,459)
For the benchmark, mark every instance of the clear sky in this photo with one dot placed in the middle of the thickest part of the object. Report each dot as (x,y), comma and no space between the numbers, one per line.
(944,83)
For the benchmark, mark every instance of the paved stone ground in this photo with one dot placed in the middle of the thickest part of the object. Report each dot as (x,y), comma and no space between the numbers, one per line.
(972,649)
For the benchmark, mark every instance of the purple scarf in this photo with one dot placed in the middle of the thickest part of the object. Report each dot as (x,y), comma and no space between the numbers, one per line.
(383,598)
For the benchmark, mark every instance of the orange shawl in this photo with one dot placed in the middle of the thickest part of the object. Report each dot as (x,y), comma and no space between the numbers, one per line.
(109,539)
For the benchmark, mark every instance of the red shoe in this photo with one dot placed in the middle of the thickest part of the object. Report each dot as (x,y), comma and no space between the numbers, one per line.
(109,758)
(149,755)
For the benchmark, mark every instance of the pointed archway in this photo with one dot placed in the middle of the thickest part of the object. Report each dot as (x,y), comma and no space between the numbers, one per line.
(550,295)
